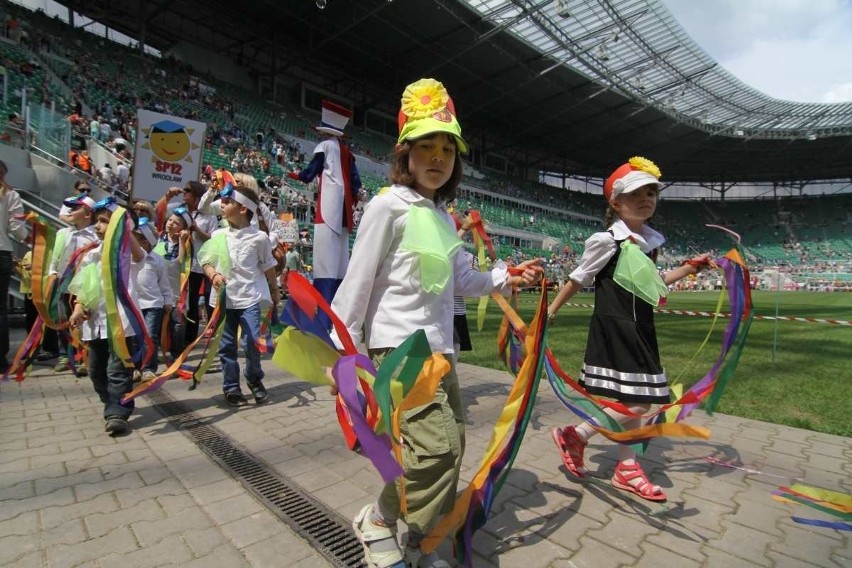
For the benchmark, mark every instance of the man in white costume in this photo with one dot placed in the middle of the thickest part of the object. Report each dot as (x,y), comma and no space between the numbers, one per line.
(339,184)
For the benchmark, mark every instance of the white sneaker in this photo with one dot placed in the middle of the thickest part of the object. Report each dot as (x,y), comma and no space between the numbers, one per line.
(148,375)
(380,547)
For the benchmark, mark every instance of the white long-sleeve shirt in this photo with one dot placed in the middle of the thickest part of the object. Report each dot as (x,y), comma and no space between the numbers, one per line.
(382,290)
(70,239)
(152,288)
(173,266)
(10,207)
(204,221)
(96,326)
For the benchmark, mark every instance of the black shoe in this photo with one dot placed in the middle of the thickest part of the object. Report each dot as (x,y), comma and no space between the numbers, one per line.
(259,392)
(46,356)
(235,398)
(116,425)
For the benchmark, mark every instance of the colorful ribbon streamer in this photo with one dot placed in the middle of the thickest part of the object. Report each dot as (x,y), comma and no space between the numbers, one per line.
(115,272)
(666,421)
(211,336)
(473,506)
(838,526)
(369,401)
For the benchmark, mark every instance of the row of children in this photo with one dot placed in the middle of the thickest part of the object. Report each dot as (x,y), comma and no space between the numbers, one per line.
(403,276)
(164,273)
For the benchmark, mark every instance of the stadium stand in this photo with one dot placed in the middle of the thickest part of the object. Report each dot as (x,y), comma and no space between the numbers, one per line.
(65,67)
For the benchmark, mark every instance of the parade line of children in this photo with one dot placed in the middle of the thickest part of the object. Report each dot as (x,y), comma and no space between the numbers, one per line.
(406,271)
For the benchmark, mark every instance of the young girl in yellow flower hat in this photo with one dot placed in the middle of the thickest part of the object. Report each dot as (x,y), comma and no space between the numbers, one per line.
(622,360)
(404,272)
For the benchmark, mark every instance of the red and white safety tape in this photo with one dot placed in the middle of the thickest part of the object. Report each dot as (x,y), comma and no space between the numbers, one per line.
(727,315)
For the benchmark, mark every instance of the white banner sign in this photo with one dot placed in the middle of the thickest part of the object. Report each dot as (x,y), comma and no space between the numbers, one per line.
(168,153)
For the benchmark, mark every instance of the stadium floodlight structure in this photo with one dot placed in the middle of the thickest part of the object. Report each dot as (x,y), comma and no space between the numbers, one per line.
(638,49)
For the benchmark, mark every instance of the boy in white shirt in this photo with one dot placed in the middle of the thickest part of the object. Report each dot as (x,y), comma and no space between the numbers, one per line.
(110,377)
(173,247)
(69,240)
(201,228)
(241,256)
(152,292)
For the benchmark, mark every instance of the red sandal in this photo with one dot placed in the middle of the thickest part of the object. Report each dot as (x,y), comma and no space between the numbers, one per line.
(571,447)
(625,473)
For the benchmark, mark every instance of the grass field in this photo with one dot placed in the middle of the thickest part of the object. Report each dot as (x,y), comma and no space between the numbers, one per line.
(806,382)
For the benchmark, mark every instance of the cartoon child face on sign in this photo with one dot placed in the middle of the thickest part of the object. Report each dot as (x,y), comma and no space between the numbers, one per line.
(169,141)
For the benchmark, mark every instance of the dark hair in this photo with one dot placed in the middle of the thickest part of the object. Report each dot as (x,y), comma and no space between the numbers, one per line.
(399,173)
(195,187)
(3,167)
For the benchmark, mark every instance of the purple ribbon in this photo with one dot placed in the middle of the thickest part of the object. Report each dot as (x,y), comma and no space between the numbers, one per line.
(375,447)
(737,300)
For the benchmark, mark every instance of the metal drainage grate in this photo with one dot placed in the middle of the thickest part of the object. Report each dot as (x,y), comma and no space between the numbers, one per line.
(306,516)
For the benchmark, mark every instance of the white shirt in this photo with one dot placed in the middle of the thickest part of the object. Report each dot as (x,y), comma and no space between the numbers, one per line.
(208,224)
(601,247)
(96,326)
(10,207)
(107,174)
(122,172)
(382,290)
(152,288)
(71,240)
(251,256)
(172,266)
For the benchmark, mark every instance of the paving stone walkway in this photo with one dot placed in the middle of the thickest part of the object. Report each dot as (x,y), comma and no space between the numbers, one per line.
(71,496)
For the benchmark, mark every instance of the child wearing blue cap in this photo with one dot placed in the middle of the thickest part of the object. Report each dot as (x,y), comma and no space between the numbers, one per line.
(173,247)
(152,292)
(108,373)
(68,241)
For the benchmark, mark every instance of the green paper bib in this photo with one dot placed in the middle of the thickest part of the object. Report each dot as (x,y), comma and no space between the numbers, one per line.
(86,285)
(431,237)
(215,251)
(637,274)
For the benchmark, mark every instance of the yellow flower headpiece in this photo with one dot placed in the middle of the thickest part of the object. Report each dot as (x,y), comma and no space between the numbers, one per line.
(645,165)
(426,108)
(424,98)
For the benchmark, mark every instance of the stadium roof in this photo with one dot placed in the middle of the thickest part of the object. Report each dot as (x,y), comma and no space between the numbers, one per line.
(573,86)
